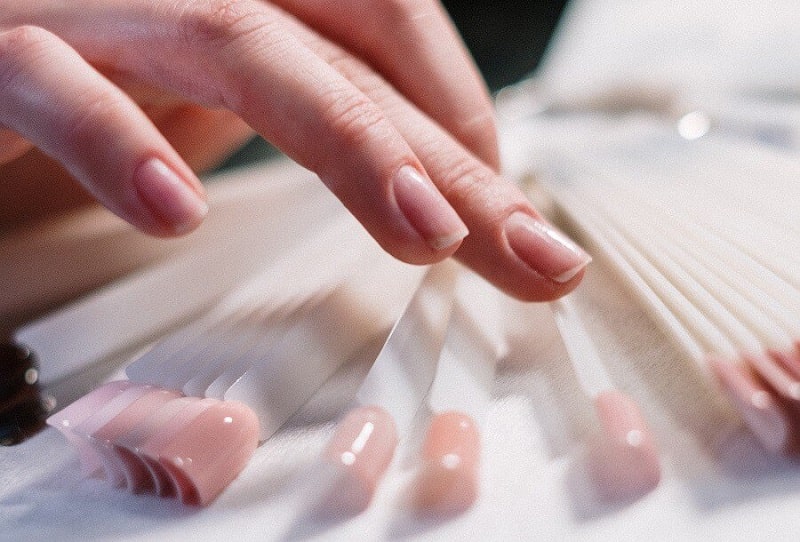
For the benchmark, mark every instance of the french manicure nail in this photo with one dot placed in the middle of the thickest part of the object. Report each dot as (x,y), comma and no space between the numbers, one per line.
(170,198)
(427,210)
(545,249)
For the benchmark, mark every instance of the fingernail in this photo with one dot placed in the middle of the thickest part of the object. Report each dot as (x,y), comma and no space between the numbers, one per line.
(623,458)
(427,210)
(545,249)
(168,196)
(361,448)
(448,482)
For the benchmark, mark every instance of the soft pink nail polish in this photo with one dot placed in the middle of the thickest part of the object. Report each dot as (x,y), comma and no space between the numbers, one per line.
(210,452)
(137,475)
(361,449)
(174,201)
(448,482)
(758,408)
(623,459)
(543,248)
(775,373)
(172,414)
(427,210)
(155,436)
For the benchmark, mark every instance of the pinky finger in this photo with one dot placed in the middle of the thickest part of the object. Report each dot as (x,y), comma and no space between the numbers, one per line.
(55,100)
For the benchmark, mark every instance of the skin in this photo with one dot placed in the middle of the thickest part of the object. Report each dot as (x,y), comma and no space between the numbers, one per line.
(90,90)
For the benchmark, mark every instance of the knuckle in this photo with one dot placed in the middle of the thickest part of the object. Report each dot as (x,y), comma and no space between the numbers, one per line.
(354,118)
(98,113)
(216,23)
(18,47)
(477,127)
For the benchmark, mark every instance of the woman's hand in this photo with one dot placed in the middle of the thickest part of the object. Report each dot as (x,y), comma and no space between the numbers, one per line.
(379,98)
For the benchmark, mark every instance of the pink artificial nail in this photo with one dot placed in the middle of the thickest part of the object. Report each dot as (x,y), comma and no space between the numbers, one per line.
(137,475)
(427,210)
(543,248)
(361,449)
(174,201)
(130,442)
(448,483)
(210,452)
(77,412)
(150,439)
(623,459)
(774,373)
(758,408)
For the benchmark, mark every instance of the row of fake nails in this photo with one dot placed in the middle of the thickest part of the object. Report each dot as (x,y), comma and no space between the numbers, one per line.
(149,439)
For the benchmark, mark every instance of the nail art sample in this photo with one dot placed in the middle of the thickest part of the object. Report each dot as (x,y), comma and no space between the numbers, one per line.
(759,410)
(134,474)
(545,249)
(23,409)
(210,451)
(76,413)
(448,482)
(360,450)
(623,459)
(159,425)
(151,439)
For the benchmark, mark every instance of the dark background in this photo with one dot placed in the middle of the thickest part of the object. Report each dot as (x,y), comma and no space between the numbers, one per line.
(506,37)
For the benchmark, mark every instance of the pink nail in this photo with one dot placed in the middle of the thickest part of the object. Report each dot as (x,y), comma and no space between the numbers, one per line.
(758,408)
(427,210)
(448,483)
(624,460)
(543,248)
(361,449)
(173,201)
(209,453)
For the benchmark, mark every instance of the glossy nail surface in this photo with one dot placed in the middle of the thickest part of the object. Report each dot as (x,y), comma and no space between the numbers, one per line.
(136,476)
(544,249)
(361,449)
(758,408)
(623,458)
(448,482)
(210,452)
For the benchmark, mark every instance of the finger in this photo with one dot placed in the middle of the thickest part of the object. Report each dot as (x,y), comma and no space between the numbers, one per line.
(203,137)
(416,47)
(509,243)
(12,146)
(239,55)
(54,99)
